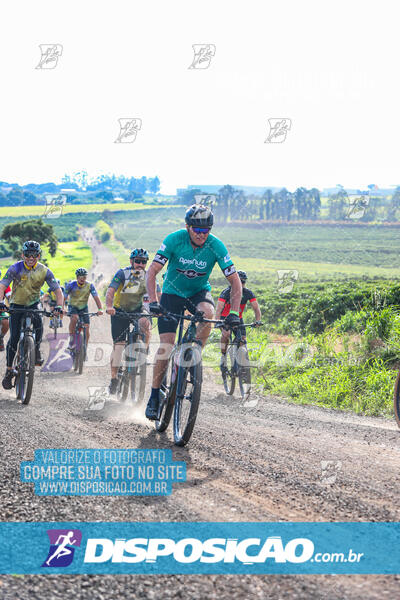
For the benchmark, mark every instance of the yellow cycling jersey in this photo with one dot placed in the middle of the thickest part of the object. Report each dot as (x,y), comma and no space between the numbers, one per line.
(130,287)
(27,282)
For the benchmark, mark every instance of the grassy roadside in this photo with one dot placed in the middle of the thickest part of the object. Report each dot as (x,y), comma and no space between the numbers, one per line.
(70,256)
(39,211)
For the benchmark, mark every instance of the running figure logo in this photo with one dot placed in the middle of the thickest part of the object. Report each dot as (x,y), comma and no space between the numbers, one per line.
(357,206)
(128,129)
(205,199)
(98,397)
(278,129)
(50,55)
(54,205)
(203,54)
(286,280)
(62,547)
(59,359)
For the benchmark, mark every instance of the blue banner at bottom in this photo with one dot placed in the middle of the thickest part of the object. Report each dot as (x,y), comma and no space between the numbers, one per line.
(196,548)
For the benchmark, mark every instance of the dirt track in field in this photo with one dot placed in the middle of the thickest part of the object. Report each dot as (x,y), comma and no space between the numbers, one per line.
(243,464)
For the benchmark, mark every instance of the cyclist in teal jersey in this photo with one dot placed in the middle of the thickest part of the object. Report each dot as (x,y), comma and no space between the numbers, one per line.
(191,254)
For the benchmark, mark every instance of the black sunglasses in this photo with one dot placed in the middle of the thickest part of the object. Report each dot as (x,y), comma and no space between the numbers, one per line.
(28,254)
(140,261)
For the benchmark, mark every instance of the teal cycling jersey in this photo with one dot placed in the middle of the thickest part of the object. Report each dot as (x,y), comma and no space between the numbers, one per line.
(189,268)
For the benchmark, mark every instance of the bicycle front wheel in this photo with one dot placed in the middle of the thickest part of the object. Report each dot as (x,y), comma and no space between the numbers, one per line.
(397,399)
(123,384)
(190,377)
(167,395)
(138,372)
(81,352)
(26,369)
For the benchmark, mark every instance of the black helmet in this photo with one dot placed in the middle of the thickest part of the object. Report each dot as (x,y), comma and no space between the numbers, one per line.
(242,276)
(140,252)
(199,215)
(31,246)
(81,271)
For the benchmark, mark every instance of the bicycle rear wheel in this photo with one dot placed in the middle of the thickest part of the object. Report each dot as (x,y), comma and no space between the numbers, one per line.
(396,399)
(244,373)
(25,369)
(167,395)
(228,373)
(190,376)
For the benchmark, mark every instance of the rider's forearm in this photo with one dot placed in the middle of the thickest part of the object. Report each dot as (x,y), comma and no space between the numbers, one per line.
(257,313)
(110,297)
(59,297)
(2,290)
(151,284)
(98,302)
(236,294)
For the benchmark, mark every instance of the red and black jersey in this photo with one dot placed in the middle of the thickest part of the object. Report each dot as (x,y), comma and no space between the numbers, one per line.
(225,296)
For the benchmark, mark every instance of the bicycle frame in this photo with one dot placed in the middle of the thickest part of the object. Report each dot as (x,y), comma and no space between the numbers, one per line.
(76,349)
(128,373)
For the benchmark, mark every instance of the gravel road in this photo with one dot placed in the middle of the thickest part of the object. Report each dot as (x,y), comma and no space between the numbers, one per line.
(277,461)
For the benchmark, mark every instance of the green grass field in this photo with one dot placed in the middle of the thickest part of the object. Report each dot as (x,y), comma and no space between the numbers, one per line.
(317,252)
(37,211)
(70,256)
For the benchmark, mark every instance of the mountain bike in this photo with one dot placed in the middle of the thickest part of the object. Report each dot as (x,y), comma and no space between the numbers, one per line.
(79,348)
(55,322)
(181,388)
(237,363)
(132,373)
(23,367)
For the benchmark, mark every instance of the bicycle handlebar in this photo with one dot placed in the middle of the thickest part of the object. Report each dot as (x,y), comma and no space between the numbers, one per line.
(196,318)
(133,315)
(29,310)
(222,323)
(92,314)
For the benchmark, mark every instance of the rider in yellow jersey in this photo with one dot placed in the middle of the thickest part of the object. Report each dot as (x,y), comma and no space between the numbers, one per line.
(125,294)
(78,292)
(27,277)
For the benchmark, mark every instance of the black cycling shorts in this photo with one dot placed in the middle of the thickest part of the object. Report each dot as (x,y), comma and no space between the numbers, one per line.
(83,312)
(178,305)
(120,325)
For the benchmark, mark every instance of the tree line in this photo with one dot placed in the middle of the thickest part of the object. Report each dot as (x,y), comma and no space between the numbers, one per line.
(232,204)
(102,189)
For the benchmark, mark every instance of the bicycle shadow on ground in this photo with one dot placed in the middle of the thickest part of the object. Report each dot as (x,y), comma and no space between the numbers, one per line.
(180,453)
(12,405)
